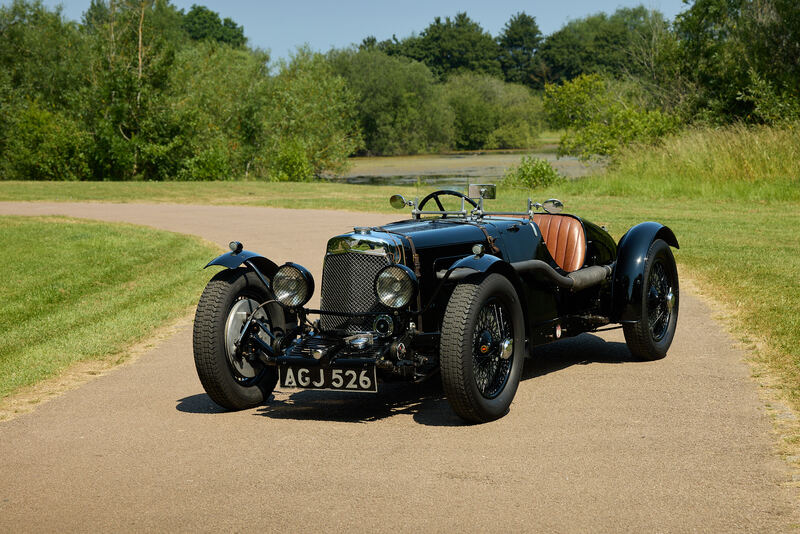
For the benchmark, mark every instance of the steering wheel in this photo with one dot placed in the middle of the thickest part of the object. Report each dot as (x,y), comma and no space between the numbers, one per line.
(436,194)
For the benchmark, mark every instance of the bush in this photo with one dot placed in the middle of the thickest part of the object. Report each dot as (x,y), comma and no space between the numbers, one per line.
(44,145)
(770,105)
(401,108)
(532,173)
(291,164)
(309,108)
(600,120)
(490,113)
(209,164)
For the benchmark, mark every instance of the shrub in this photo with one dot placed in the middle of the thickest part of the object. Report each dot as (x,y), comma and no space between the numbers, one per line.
(771,105)
(44,145)
(290,164)
(490,113)
(600,120)
(209,164)
(401,108)
(532,173)
(310,108)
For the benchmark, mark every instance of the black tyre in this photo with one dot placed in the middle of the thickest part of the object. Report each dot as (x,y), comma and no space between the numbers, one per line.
(233,381)
(482,348)
(650,337)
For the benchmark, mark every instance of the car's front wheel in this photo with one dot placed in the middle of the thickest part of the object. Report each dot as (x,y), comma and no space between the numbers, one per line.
(234,379)
(482,348)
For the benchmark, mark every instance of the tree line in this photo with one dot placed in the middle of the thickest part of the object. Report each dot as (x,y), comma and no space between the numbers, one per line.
(140,90)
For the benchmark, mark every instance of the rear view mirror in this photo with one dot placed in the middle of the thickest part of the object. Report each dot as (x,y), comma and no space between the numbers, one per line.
(553,205)
(485,191)
(398,202)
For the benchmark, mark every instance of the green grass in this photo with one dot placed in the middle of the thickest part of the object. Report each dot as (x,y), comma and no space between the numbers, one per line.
(76,290)
(736,163)
(550,137)
(732,196)
(283,194)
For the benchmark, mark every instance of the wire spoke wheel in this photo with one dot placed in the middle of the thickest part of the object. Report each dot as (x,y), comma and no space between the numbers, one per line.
(481,348)
(491,371)
(660,300)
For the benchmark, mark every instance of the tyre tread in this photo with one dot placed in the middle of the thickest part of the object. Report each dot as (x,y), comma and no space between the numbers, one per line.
(212,370)
(452,340)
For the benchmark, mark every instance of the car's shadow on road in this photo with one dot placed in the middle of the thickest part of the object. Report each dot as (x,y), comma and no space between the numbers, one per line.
(425,402)
(584,349)
(200,403)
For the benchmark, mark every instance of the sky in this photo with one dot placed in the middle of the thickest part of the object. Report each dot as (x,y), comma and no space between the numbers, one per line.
(281,25)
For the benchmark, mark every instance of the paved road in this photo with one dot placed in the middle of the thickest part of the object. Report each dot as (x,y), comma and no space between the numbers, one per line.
(594,441)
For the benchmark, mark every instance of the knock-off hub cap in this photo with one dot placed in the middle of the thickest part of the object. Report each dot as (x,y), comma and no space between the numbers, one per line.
(506,348)
(233,328)
(670,300)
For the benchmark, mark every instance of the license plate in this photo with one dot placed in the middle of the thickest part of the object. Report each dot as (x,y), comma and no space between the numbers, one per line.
(337,379)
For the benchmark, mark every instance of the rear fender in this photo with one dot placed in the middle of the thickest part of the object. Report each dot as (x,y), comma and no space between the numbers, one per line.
(626,292)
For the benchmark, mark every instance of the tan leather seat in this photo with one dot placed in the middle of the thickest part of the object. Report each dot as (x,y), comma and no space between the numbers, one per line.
(564,238)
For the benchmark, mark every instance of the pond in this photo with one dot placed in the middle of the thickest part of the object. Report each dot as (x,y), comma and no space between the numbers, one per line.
(457,168)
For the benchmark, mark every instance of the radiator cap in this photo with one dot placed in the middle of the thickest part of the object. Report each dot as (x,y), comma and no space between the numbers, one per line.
(363,230)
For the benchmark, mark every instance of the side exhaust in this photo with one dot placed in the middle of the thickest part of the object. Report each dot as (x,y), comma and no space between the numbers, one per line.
(574,281)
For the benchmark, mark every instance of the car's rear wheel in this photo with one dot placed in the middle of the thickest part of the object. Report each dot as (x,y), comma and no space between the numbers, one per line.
(651,335)
(233,379)
(482,348)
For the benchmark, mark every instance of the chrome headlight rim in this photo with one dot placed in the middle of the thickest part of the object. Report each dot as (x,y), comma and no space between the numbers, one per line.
(397,272)
(289,273)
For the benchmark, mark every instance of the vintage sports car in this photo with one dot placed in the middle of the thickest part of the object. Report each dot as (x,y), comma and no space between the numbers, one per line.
(466,293)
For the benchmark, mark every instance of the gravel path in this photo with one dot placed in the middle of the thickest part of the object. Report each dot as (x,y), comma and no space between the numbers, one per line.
(594,441)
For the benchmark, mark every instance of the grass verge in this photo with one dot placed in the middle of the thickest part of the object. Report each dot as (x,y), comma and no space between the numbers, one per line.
(76,290)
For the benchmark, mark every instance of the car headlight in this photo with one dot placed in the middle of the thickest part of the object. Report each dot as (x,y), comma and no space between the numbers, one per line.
(395,286)
(292,285)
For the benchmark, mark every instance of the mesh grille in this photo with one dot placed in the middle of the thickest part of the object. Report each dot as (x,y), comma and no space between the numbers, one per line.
(347,281)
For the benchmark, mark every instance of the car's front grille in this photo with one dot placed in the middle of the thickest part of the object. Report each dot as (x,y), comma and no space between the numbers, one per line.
(347,286)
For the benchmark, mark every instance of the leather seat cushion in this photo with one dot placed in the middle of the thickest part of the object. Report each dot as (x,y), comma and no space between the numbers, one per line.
(565,239)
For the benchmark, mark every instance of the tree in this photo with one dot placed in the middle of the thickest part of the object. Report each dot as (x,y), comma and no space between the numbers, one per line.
(595,44)
(743,56)
(490,113)
(598,118)
(43,55)
(450,46)
(202,23)
(43,63)
(519,41)
(714,55)
(136,134)
(310,116)
(401,109)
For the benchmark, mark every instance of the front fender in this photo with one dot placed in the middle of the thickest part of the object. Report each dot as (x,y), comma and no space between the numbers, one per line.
(470,265)
(629,270)
(232,260)
(485,264)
